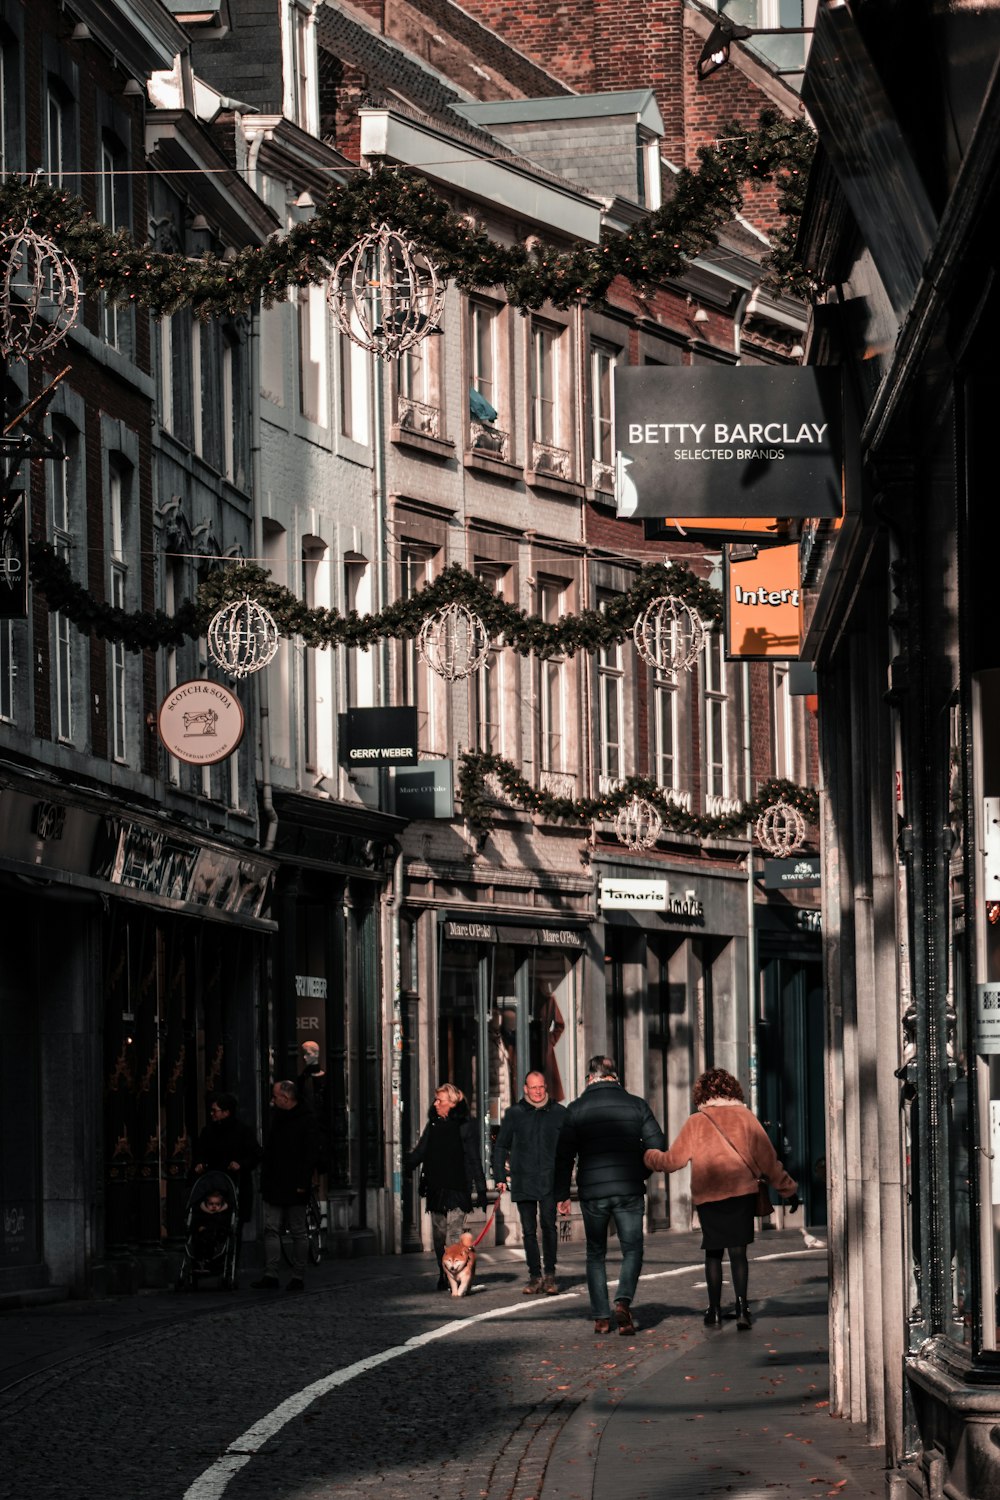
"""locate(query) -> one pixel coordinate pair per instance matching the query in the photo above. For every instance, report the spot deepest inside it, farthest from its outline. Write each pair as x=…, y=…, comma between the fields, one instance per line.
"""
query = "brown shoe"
x=549, y=1285
x=532, y=1286
x=602, y=1325
x=623, y=1316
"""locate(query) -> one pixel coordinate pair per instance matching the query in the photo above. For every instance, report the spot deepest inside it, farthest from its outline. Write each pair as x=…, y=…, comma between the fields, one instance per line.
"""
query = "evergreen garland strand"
x=660, y=247
x=480, y=811
x=505, y=623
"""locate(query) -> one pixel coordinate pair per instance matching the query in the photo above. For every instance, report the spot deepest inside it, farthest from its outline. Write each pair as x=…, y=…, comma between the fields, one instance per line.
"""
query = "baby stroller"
x=211, y=1242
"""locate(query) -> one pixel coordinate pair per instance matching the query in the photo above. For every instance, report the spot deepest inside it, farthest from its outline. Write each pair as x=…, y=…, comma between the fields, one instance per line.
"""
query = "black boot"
x=713, y=1318
x=442, y=1285
x=743, y=1318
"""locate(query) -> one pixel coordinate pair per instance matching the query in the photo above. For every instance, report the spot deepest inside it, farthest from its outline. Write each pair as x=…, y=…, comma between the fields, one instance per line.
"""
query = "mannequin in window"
x=548, y=1027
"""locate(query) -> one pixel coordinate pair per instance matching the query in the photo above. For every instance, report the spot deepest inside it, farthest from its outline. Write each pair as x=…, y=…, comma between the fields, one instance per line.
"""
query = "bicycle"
x=315, y=1229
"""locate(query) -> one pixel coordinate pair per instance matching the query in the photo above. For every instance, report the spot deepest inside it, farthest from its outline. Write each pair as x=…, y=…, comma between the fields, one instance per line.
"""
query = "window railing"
x=487, y=439
x=602, y=476
x=416, y=416
x=721, y=807
x=547, y=459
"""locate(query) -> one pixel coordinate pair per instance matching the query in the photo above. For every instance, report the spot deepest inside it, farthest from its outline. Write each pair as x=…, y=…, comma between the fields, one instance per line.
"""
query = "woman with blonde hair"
x=729, y=1152
x=451, y=1169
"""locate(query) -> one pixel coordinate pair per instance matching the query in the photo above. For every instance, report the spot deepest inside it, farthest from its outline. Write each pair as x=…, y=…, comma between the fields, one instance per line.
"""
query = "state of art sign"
x=728, y=441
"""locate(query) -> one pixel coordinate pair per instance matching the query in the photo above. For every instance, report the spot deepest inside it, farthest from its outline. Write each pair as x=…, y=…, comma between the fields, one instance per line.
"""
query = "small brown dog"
x=459, y=1265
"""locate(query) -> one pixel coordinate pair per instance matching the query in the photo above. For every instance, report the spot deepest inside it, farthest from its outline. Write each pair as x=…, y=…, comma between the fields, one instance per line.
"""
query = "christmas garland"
x=480, y=811
x=505, y=623
x=660, y=247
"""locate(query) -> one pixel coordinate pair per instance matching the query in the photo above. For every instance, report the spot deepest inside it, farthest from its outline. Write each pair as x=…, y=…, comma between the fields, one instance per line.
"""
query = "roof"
x=639, y=102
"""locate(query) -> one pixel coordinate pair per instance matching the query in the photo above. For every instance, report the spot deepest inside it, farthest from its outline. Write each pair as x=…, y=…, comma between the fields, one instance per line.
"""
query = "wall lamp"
x=715, y=53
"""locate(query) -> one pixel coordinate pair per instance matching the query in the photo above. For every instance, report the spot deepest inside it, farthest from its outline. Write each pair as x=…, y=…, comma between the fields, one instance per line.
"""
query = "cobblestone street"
x=372, y=1384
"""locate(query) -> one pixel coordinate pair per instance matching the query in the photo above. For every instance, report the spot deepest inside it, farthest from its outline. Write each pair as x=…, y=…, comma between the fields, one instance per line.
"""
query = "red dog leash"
x=489, y=1221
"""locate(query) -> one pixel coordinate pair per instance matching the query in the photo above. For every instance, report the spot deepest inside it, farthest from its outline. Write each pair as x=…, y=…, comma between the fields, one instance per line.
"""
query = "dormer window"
x=647, y=168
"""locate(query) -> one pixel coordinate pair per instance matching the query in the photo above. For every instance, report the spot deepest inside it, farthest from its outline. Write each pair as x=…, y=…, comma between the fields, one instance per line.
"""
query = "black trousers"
x=533, y=1210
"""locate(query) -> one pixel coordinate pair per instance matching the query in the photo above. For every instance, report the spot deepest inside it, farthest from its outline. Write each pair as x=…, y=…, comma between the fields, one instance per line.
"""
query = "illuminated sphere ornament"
x=385, y=295
x=638, y=824
x=39, y=295
x=454, y=642
x=780, y=829
x=669, y=634
x=242, y=637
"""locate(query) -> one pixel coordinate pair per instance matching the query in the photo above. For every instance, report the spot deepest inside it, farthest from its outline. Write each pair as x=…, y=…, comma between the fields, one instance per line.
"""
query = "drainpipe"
x=752, y=977
x=392, y=900
x=263, y=699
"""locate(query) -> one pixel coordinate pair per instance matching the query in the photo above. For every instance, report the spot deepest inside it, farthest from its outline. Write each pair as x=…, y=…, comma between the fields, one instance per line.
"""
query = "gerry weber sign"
x=649, y=895
x=201, y=722
x=731, y=440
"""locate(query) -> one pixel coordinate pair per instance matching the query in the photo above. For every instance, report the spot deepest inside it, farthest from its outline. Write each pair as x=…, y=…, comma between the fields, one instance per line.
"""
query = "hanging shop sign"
x=716, y=528
x=426, y=790
x=988, y=1018
x=781, y=873
x=763, y=605
x=13, y=547
x=379, y=737
x=728, y=440
x=201, y=722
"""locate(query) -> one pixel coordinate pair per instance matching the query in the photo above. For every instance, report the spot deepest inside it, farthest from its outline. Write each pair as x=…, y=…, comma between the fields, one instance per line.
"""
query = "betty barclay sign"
x=763, y=598
x=201, y=722
x=728, y=441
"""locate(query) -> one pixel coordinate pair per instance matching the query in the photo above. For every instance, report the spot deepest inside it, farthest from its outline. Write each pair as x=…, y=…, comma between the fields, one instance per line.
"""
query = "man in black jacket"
x=285, y=1180
x=528, y=1136
x=606, y=1132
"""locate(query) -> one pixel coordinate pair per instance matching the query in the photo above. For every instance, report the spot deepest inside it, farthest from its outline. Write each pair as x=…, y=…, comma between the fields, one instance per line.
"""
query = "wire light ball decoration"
x=638, y=824
x=242, y=637
x=780, y=829
x=669, y=634
x=385, y=295
x=453, y=642
x=39, y=294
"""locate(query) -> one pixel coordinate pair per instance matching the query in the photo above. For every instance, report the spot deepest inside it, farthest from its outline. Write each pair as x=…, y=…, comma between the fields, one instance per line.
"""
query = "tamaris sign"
x=728, y=440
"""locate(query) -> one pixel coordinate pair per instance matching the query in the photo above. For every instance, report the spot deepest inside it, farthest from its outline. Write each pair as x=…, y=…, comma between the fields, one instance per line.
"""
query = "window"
x=272, y=353
x=61, y=481
x=314, y=700
x=55, y=132
x=300, y=70
x=603, y=360
x=787, y=54
x=552, y=697
x=118, y=517
x=359, y=666
x=782, y=730
x=665, y=726
x=314, y=395
x=489, y=426
x=276, y=560
x=418, y=401
x=549, y=389
x=176, y=364
x=235, y=455
x=416, y=569
x=10, y=100
x=489, y=682
x=207, y=368
x=716, y=705
x=354, y=384
x=648, y=187
x=611, y=708
x=113, y=208
x=60, y=143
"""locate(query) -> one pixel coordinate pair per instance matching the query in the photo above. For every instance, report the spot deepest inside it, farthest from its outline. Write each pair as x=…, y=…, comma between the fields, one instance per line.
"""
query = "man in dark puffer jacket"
x=606, y=1132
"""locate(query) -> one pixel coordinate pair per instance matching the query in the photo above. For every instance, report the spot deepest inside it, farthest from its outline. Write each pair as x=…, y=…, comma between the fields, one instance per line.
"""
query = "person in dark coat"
x=285, y=1180
x=528, y=1136
x=451, y=1169
x=227, y=1144
x=605, y=1132
x=311, y=1085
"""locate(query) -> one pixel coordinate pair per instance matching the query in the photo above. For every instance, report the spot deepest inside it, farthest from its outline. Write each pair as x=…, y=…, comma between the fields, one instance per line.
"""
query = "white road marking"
x=213, y=1482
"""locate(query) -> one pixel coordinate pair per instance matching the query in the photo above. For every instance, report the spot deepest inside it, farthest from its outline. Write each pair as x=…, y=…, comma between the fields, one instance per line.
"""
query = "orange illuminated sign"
x=753, y=528
x=763, y=598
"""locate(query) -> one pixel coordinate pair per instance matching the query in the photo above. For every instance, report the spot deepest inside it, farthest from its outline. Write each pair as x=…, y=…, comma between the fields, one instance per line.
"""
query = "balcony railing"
x=721, y=807
x=557, y=783
x=547, y=459
x=415, y=416
x=490, y=440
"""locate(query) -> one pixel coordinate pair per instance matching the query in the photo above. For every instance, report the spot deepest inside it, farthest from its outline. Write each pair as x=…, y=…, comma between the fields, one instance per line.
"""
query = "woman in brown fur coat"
x=728, y=1151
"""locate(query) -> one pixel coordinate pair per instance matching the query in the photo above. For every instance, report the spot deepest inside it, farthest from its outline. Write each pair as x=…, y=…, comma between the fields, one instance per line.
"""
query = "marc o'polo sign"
x=379, y=737
x=201, y=722
x=728, y=441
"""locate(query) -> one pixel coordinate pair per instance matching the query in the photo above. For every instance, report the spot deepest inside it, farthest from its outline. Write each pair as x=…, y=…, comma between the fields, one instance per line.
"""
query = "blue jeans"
x=532, y=1210
x=628, y=1214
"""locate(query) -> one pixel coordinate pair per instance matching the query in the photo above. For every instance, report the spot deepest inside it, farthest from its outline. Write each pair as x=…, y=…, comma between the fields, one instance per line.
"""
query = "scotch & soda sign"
x=201, y=722
x=728, y=441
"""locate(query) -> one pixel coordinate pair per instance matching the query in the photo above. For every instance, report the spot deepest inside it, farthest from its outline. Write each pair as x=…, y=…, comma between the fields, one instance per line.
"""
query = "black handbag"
x=763, y=1208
